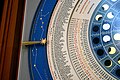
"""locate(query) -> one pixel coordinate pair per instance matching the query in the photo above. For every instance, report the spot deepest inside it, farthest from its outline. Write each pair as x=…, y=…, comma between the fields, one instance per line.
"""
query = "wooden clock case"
x=11, y=24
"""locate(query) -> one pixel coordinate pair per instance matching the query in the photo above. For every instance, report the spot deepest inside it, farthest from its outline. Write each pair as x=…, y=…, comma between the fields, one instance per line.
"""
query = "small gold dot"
x=42, y=22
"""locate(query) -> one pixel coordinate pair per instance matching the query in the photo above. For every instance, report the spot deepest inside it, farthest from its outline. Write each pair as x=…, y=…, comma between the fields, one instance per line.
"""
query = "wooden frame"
x=11, y=31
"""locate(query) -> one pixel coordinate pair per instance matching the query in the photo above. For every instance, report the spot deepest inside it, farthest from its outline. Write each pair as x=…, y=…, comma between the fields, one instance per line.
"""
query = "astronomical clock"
x=60, y=40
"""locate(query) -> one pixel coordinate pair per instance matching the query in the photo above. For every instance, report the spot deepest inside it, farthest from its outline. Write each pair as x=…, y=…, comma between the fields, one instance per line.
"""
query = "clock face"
x=79, y=40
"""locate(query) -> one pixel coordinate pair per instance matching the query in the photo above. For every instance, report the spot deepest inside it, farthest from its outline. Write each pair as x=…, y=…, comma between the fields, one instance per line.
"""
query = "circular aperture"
x=106, y=38
x=96, y=40
x=111, y=50
x=108, y=63
x=118, y=60
x=113, y=0
x=110, y=15
x=118, y=72
x=95, y=28
x=100, y=52
x=99, y=17
x=117, y=36
x=106, y=26
x=105, y=7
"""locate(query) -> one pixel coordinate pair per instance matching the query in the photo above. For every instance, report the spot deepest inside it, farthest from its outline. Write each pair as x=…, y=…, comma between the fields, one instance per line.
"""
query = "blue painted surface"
x=38, y=63
x=114, y=7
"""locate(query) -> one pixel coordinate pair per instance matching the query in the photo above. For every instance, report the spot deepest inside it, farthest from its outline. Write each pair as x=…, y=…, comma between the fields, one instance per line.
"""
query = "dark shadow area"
x=1, y=8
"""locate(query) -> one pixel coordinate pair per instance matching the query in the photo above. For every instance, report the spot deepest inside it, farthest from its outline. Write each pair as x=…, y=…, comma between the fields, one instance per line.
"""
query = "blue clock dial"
x=38, y=64
x=105, y=34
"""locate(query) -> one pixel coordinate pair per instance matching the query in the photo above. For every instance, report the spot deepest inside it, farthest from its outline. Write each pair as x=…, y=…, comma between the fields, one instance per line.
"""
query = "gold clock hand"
x=43, y=42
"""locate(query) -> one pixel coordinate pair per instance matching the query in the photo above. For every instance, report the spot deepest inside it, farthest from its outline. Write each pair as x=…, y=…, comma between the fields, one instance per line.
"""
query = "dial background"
x=23, y=70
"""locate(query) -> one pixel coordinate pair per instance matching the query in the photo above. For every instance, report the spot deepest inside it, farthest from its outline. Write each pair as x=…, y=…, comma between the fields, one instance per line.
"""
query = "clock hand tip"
x=43, y=41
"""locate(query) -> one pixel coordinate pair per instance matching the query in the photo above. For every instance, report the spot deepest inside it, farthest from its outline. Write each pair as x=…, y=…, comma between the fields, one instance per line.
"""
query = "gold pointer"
x=43, y=42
